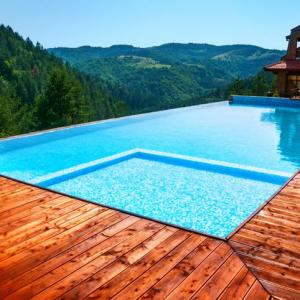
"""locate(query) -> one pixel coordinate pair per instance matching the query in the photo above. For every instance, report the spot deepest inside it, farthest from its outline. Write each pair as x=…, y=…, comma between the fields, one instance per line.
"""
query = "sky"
x=144, y=23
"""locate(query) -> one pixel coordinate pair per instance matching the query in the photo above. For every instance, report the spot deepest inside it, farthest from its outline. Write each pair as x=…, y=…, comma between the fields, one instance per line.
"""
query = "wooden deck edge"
x=268, y=242
x=117, y=209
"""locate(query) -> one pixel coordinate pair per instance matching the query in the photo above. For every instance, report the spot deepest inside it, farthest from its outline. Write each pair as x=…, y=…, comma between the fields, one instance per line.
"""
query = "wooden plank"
x=276, y=213
x=288, y=247
x=214, y=287
x=285, y=234
x=260, y=252
x=24, y=234
x=65, y=222
x=202, y=273
x=119, y=282
x=119, y=265
x=155, y=273
x=35, y=209
x=239, y=286
x=47, y=215
x=67, y=233
x=14, y=202
x=24, y=280
x=181, y=271
x=257, y=292
x=289, y=215
x=17, y=193
x=287, y=203
x=93, y=262
x=280, y=291
x=271, y=224
x=59, y=212
x=274, y=267
x=4, y=180
x=102, y=245
x=32, y=202
x=9, y=193
x=280, y=221
x=275, y=278
x=287, y=198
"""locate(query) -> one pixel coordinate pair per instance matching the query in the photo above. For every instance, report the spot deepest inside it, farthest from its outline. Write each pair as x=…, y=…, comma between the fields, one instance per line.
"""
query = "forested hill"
x=237, y=60
x=38, y=90
x=168, y=75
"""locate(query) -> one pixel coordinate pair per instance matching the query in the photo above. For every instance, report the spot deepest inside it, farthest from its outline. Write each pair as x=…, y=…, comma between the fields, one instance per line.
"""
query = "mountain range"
x=169, y=75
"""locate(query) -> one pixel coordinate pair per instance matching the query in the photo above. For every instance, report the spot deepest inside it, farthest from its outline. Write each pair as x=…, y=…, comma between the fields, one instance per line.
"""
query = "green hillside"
x=169, y=75
x=38, y=90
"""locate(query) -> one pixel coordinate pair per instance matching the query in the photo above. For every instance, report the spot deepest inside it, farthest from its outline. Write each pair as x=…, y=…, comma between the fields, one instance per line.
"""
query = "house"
x=288, y=69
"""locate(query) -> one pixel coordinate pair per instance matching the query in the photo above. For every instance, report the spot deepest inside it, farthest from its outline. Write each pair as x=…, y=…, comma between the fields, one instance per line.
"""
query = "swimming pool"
x=262, y=138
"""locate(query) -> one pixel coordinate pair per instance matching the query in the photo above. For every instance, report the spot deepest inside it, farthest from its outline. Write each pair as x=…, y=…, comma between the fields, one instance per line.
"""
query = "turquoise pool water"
x=258, y=137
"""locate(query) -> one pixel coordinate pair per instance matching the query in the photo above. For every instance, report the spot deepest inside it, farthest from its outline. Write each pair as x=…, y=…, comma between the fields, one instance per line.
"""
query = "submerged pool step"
x=215, y=166
x=82, y=169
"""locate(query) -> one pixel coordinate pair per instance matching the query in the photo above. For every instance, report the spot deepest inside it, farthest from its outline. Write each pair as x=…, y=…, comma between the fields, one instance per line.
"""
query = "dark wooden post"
x=293, y=39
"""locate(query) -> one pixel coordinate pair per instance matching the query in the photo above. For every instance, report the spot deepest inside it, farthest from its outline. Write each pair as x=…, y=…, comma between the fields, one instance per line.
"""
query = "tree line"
x=39, y=91
x=261, y=84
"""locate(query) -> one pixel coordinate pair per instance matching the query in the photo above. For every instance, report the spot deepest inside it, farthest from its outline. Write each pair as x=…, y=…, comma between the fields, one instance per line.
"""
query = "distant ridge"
x=180, y=52
x=169, y=75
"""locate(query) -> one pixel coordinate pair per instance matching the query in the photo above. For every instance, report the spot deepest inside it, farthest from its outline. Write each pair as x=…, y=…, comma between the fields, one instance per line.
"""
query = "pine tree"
x=62, y=102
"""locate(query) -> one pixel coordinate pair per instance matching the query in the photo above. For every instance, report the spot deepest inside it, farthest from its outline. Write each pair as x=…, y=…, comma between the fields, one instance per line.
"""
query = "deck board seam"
x=60, y=231
x=51, y=225
x=225, y=255
x=87, y=264
x=141, y=258
x=174, y=268
x=236, y=275
x=66, y=250
x=44, y=241
x=219, y=266
x=35, y=219
x=166, y=254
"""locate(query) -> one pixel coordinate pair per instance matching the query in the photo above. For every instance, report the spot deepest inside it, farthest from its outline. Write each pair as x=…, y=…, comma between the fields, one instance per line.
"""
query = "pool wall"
x=264, y=101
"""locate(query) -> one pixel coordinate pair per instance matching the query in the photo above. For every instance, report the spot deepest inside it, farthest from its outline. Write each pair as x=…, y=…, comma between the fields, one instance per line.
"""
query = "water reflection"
x=287, y=122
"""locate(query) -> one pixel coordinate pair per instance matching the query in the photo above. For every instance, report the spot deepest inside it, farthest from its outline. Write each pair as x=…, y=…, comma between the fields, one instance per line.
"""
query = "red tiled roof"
x=288, y=65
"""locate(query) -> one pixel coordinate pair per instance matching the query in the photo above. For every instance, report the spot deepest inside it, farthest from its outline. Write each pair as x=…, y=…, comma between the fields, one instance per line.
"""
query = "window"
x=294, y=82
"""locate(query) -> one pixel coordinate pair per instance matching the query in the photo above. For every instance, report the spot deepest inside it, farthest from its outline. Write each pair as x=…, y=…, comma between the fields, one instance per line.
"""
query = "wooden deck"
x=269, y=243
x=53, y=246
